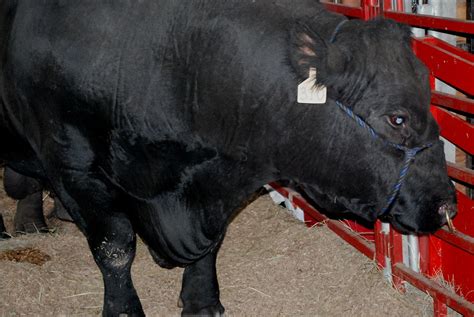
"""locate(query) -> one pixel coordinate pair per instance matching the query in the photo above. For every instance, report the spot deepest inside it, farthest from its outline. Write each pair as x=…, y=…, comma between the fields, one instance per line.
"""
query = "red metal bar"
x=387, y=6
x=454, y=50
x=464, y=221
x=447, y=62
x=456, y=103
x=400, y=5
x=439, y=307
x=396, y=256
x=431, y=22
x=367, y=248
x=455, y=129
x=457, y=239
x=374, y=7
x=424, y=246
x=356, y=240
x=435, y=290
x=436, y=254
x=353, y=238
x=381, y=244
x=346, y=10
x=461, y=173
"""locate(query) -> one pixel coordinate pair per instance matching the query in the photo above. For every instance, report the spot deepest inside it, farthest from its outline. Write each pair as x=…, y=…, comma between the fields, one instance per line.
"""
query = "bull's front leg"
x=200, y=289
x=112, y=241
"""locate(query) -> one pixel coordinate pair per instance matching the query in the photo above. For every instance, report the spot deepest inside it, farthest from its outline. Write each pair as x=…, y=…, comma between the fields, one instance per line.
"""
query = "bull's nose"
x=447, y=211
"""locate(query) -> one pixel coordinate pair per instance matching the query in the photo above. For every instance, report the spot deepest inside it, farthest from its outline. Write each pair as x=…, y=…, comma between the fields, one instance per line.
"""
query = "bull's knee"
x=114, y=256
x=113, y=243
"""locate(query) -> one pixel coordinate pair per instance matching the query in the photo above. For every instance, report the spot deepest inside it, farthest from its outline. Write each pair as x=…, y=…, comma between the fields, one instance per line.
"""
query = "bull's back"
x=124, y=64
x=88, y=57
x=157, y=69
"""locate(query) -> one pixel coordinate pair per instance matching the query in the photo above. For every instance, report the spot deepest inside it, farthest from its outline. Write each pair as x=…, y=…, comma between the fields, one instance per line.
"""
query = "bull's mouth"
x=404, y=228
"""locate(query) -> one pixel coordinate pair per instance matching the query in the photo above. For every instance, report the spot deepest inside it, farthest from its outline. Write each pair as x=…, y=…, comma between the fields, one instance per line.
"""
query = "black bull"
x=160, y=118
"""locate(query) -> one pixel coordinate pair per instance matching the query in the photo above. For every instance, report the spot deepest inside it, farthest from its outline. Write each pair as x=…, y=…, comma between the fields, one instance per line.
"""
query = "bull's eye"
x=397, y=120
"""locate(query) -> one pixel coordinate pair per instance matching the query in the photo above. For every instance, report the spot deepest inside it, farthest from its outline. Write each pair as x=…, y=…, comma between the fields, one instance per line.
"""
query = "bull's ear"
x=310, y=50
x=336, y=60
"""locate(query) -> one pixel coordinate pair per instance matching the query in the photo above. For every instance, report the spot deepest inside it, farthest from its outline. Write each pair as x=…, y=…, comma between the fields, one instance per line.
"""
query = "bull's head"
x=369, y=69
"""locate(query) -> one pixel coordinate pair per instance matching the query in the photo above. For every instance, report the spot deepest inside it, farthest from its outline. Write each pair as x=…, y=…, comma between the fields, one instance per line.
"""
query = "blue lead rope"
x=409, y=154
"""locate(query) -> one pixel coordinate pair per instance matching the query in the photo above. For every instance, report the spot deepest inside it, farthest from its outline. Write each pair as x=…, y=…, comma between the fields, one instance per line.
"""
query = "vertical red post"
x=387, y=5
x=381, y=245
x=400, y=6
x=435, y=260
x=396, y=256
x=424, y=245
x=440, y=308
x=366, y=6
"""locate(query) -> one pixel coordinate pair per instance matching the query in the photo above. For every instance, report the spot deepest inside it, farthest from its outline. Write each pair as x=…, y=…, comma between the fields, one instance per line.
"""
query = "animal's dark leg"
x=112, y=241
x=60, y=212
x=29, y=216
x=200, y=289
x=3, y=231
x=28, y=191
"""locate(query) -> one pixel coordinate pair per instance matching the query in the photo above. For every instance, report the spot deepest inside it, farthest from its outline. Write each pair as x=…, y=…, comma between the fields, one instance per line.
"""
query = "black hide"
x=160, y=118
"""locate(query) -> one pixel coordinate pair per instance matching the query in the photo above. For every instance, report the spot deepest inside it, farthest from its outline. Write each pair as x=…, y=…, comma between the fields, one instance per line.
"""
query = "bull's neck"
x=305, y=140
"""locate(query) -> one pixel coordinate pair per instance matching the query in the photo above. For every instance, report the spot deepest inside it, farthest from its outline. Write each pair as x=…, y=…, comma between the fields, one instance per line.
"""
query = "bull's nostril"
x=449, y=211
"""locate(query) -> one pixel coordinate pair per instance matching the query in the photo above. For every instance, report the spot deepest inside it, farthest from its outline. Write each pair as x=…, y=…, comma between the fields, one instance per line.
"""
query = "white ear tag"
x=308, y=92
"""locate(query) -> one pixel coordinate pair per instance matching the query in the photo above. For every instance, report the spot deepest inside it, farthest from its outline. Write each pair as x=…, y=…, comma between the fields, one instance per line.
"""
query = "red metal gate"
x=444, y=255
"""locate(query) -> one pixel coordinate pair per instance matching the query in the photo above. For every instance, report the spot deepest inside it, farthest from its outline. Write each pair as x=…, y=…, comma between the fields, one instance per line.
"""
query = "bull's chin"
x=405, y=228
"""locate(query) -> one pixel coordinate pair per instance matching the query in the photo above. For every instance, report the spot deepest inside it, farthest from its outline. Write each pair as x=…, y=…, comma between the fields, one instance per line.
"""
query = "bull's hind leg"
x=3, y=231
x=28, y=191
x=112, y=241
x=200, y=289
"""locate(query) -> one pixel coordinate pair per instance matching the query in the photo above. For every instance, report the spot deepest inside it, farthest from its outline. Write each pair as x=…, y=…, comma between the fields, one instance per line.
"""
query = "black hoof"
x=3, y=232
x=123, y=308
x=214, y=310
x=137, y=314
x=35, y=226
x=130, y=314
x=4, y=235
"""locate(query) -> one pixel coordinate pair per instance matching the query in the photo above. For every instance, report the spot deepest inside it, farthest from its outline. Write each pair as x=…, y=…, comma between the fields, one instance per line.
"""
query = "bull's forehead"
x=408, y=95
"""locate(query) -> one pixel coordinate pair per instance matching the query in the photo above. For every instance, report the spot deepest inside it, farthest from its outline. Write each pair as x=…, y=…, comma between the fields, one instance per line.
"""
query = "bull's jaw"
x=365, y=210
x=342, y=205
x=410, y=226
x=405, y=228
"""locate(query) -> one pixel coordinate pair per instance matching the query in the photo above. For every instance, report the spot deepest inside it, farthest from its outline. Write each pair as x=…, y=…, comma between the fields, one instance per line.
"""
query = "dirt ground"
x=270, y=265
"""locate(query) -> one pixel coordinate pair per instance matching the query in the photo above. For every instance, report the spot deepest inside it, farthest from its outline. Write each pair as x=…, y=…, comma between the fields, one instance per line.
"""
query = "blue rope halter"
x=336, y=30
x=409, y=154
